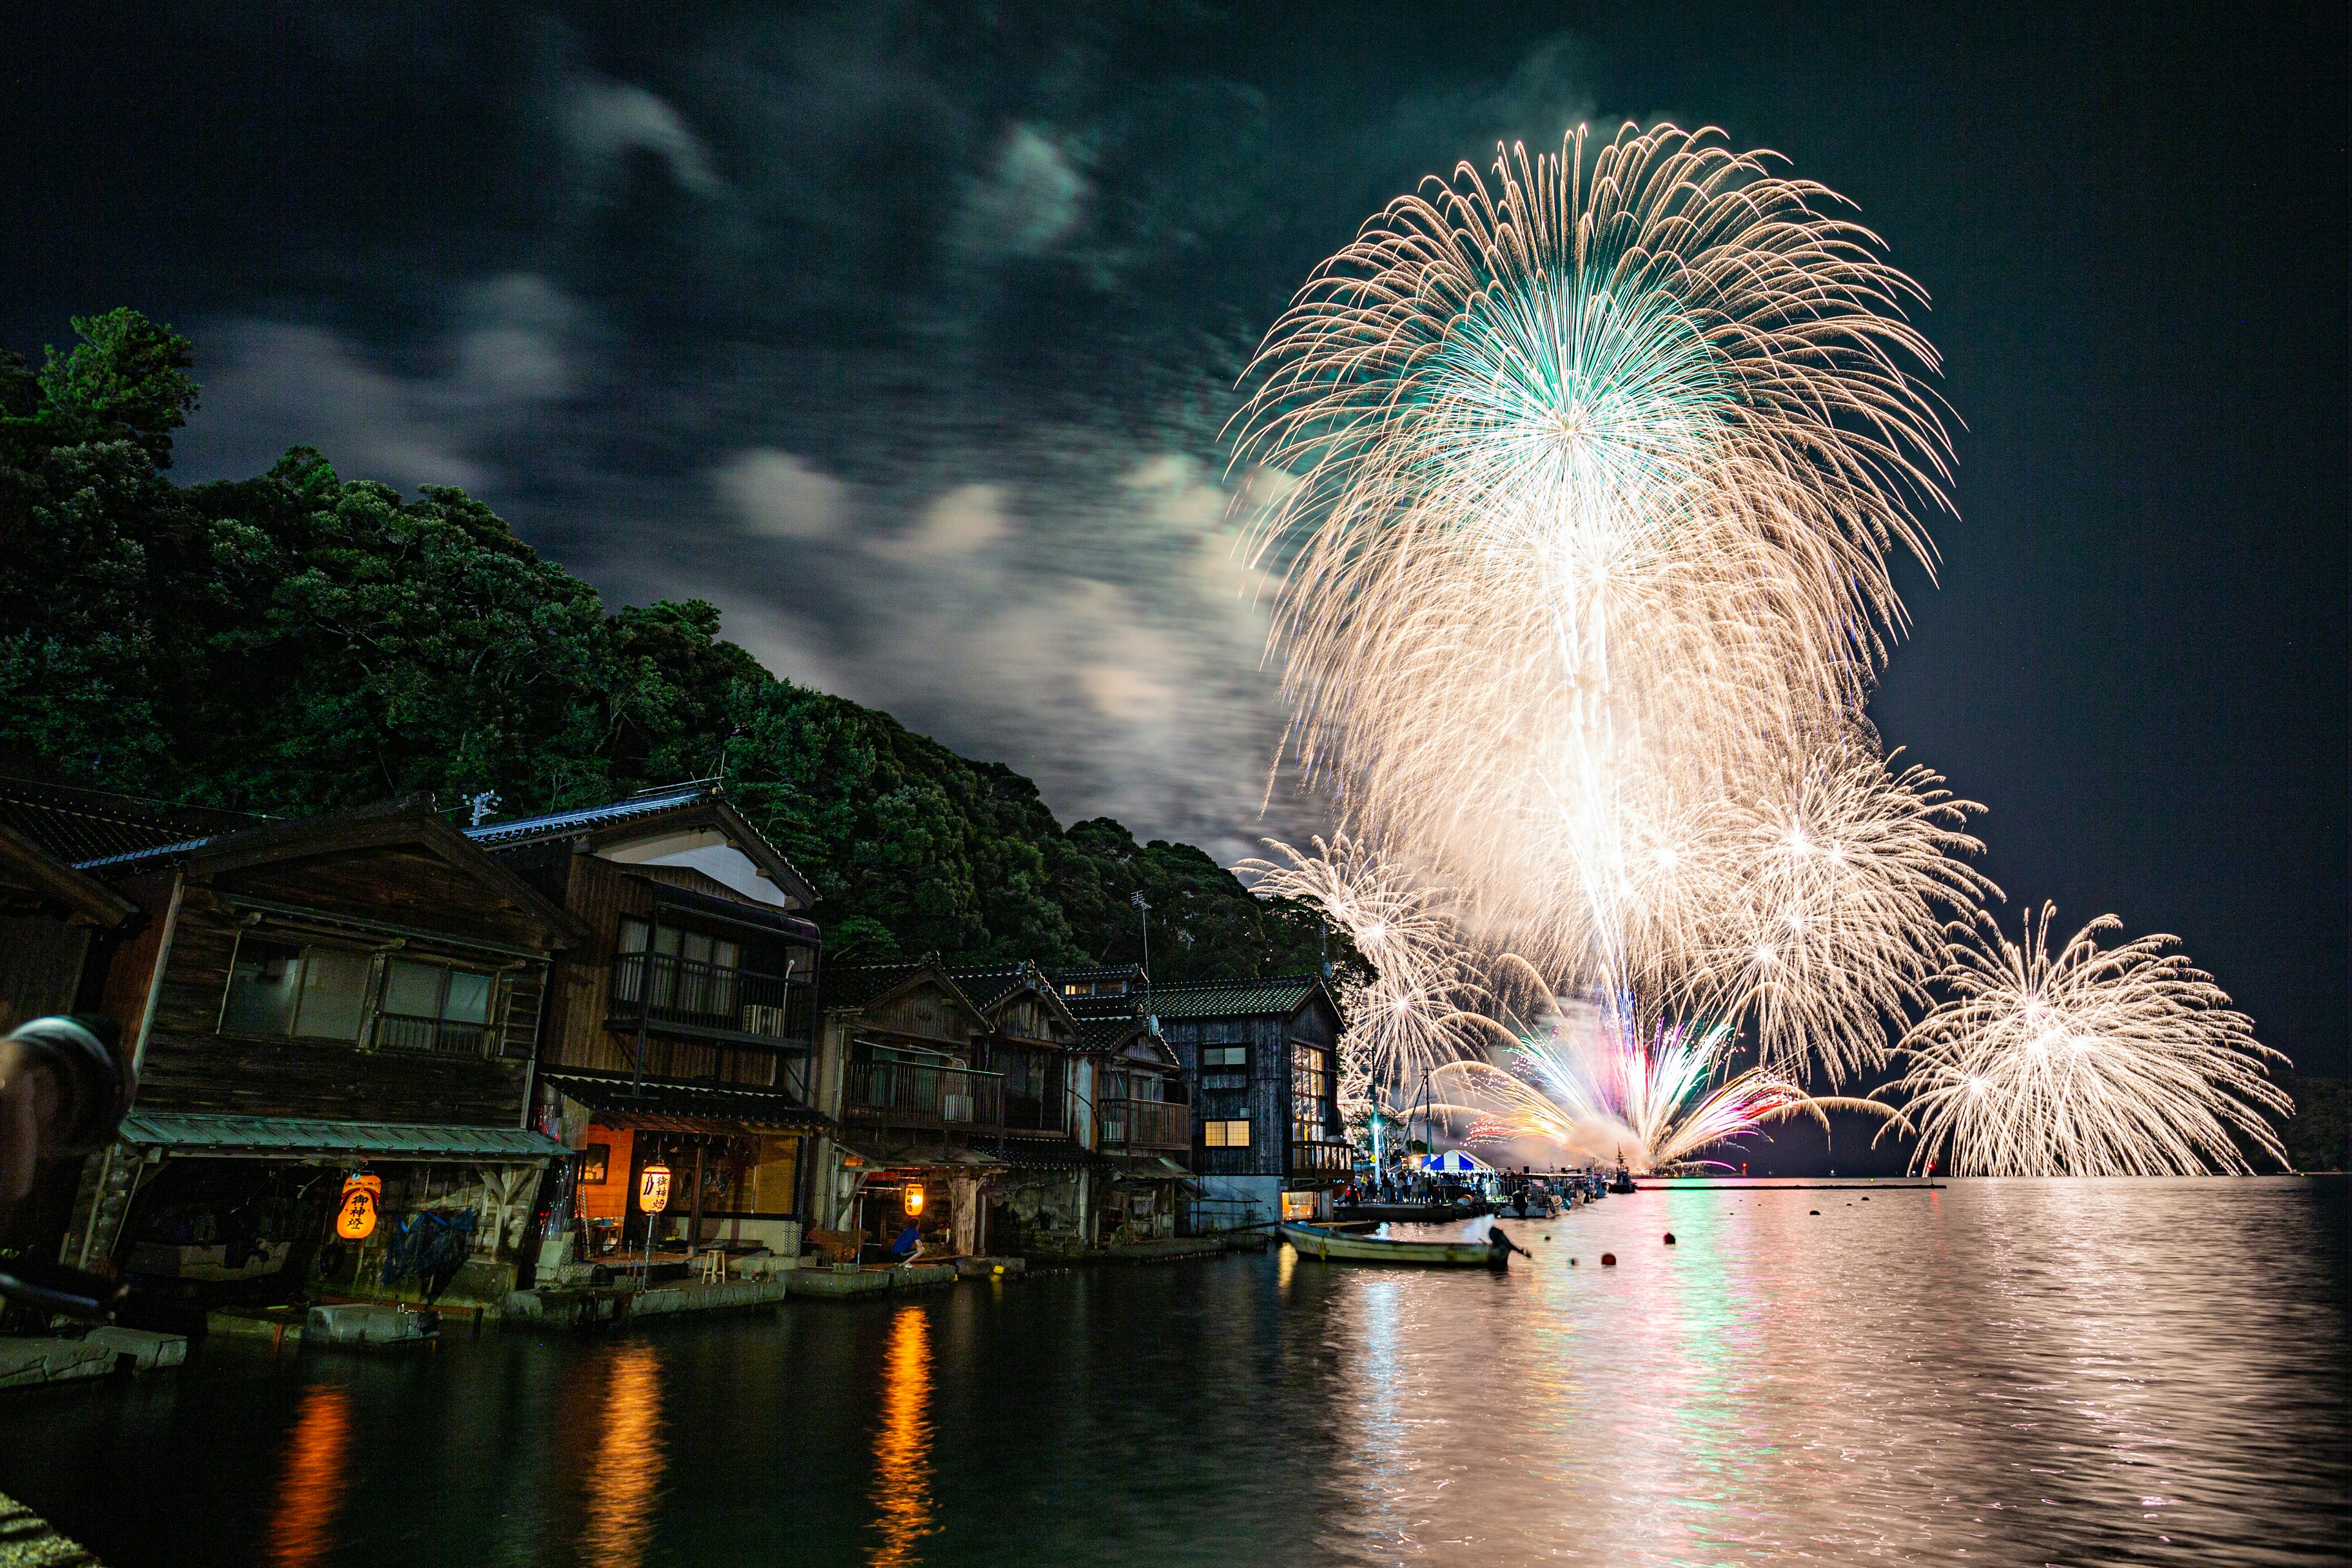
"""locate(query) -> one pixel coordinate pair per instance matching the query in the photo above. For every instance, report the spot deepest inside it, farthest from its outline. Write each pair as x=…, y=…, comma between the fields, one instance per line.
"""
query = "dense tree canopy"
x=298, y=642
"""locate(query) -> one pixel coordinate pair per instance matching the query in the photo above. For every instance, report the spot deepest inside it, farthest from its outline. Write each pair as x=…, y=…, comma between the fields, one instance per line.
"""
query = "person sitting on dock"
x=903, y=1249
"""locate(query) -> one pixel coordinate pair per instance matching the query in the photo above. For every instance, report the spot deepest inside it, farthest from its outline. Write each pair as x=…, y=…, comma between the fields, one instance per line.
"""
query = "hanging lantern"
x=653, y=1188
x=914, y=1197
x=362, y=1195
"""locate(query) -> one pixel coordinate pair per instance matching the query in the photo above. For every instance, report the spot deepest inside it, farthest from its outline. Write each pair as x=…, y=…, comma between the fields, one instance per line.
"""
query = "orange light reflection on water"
x=316, y=1457
x=624, y=1481
x=902, y=1447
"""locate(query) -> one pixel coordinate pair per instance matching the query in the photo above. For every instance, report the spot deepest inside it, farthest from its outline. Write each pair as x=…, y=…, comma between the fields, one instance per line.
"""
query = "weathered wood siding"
x=1263, y=1101
x=926, y=1013
x=191, y=1066
x=600, y=894
x=399, y=885
x=1266, y=1099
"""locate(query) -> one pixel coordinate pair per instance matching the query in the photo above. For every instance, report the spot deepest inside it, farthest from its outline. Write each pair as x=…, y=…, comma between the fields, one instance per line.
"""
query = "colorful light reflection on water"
x=2064, y=1371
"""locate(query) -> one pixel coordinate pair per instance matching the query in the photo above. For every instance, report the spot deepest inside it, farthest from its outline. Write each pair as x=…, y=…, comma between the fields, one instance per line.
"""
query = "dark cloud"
x=904, y=333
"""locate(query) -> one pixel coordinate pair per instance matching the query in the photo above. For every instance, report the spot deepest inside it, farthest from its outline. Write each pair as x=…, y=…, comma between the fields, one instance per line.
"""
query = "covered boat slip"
x=224, y=1206
x=736, y=1153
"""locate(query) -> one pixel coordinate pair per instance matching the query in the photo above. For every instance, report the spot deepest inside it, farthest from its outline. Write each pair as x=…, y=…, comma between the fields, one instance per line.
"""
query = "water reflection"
x=624, y=1481
x=317, y=1451
x=2019, y=1371
x=902, y=1447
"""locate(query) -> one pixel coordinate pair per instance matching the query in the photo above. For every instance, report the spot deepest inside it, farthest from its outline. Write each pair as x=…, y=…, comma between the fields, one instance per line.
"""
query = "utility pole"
x=1143, y=918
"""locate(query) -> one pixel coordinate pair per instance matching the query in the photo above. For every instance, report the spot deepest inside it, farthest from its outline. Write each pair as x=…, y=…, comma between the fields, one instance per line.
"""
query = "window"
x=1227, y=1134
x=435, y=1007
x=1308, y=1083
x=1224, y=1056
x=313, y=993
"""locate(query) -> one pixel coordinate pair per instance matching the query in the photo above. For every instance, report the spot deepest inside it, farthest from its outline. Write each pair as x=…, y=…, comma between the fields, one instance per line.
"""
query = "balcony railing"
x=910, y=1094
x=687, y=993
x=1320, y=1158
x=433, y=1037
x=1147, y=1124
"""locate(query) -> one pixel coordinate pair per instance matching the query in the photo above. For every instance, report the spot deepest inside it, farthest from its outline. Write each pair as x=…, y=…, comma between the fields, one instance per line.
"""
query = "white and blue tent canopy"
x=1457, y=1162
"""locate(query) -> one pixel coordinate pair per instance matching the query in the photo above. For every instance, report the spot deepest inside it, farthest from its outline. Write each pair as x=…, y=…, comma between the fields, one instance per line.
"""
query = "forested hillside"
x=299, y=641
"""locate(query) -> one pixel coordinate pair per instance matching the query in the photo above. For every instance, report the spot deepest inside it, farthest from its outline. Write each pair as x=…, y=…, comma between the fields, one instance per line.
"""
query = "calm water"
x=2015, y=1372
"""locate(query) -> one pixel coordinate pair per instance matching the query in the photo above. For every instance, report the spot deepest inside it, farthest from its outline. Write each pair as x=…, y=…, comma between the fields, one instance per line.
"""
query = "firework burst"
x=1405, y=1018
x=1584, y=1082
x=2091, y=1062
x=1602, y=465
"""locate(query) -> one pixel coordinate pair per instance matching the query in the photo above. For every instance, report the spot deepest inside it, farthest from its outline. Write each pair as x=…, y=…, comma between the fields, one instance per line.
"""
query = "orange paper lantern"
x=653, y=1188
x=362, y=1195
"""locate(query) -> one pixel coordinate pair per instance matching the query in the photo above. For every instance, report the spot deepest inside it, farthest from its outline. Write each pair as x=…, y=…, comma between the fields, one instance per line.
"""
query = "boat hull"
x=1339, y=1247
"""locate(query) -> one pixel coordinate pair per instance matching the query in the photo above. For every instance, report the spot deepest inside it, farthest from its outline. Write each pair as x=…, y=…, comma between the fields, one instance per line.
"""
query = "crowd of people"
x=1521, y=1192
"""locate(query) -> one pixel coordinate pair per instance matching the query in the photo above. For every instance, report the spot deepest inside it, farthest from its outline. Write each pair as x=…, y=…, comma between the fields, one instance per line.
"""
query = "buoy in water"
x=1609, y=1261
x=1670, y=1238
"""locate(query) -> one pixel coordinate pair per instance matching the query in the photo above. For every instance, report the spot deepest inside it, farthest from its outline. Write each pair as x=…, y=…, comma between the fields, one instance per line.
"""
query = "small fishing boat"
x=1319, y=1241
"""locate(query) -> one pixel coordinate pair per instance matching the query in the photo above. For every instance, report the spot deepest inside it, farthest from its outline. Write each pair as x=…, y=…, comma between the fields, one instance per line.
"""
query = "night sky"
x=905, y=334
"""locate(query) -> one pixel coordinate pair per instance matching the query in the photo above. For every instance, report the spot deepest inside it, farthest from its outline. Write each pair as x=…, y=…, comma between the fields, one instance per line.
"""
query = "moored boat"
x=1317, y=1241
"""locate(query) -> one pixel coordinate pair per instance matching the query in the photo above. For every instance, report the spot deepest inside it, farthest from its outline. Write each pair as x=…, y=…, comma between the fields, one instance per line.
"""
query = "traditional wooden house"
x=303, y=998
x=901, y=1070
x=967, y=1103
x=681, y=1031
x=1145, y=1123
x=1260, y=1056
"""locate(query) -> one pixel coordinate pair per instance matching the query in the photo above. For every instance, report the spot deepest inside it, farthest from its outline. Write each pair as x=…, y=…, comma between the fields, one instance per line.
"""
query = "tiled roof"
x=855, y=984
x=991, y=984
x=583, y=819
x=1112, y=973
x=1105, y=1021
x=1284, y=993
x=91, y=827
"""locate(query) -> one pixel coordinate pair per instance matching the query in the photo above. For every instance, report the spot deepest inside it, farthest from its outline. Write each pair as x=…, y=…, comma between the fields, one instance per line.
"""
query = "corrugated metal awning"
x=669, y=1105
x=303, y=1137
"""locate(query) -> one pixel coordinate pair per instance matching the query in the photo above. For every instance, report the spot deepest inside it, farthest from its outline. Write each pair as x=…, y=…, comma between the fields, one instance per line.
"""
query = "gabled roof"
x=992, y=986
x=650, y=809
x=87, y=828
x=1109, y=1023
x=1281, y=995
x=861, y=985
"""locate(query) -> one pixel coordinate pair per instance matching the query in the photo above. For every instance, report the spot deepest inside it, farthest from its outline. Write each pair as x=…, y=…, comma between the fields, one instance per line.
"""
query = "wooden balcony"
x=711, y=1001
x=907, y=1094
x=1146, y=1124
